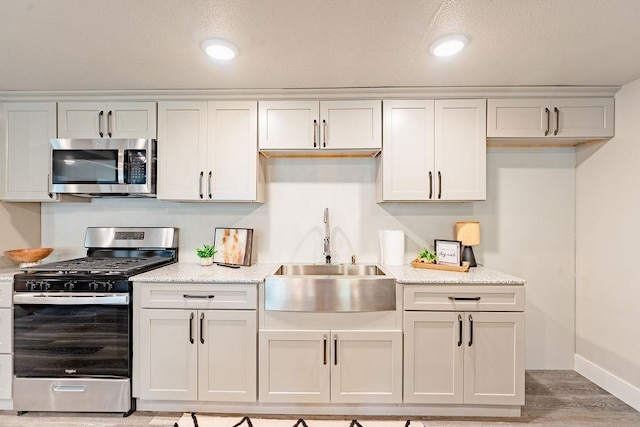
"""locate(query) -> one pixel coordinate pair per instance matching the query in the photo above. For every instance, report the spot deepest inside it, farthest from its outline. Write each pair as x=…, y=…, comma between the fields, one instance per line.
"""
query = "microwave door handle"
x=122, y=164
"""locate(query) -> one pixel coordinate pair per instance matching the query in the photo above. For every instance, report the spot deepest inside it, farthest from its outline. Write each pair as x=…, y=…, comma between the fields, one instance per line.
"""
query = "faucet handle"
x=353, y=260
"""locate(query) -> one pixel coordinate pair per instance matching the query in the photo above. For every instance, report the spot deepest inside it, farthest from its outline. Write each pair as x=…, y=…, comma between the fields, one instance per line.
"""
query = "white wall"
x=19, y=228
x=607, y=284
x=527, y=227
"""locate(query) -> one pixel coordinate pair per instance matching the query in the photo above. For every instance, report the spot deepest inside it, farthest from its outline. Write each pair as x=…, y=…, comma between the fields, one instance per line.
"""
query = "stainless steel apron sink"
x=329, y=288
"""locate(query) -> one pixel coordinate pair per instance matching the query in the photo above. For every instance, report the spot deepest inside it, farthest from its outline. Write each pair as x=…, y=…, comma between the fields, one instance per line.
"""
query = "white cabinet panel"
x=207, y=151
x=548, y=118
x=182, y=144
x=96, y=119
x=320, y=125
x=227, y=356
x=29, y=128
x=433, y=150
x=6, y=375
x=169, y=368
x=330, y=366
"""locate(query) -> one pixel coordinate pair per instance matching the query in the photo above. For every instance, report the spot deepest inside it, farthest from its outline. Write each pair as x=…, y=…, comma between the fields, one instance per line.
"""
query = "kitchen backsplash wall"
x=527, y=227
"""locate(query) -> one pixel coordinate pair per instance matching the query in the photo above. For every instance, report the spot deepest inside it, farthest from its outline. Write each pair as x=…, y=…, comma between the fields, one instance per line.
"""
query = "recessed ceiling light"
x=220, y=49
x=448, y=45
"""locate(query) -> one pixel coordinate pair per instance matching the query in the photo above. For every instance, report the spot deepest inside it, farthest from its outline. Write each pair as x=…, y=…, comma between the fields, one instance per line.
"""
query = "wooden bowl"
x=32, y=255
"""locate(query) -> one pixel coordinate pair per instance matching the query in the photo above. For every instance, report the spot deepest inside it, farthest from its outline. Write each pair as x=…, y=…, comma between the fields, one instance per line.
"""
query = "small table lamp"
x=469, y=234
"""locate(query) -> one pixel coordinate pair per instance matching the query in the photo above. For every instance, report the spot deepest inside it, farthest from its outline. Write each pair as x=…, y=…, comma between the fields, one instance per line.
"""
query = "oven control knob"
x=34, y=285
x=68, y=286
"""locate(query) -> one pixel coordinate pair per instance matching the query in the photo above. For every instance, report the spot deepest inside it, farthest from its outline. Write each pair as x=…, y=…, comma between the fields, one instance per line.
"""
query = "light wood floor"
x=553, y=398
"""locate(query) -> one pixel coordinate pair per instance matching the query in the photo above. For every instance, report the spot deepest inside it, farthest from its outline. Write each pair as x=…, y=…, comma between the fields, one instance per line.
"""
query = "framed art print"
x=233, y=246
x=448, y=251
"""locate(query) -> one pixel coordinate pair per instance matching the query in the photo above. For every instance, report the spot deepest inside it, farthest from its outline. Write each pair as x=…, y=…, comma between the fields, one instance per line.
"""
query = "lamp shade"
x=468, y=233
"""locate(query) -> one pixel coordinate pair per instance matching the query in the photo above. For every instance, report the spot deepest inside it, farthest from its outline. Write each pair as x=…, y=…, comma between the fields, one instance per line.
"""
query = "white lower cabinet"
x=197, y=354
x=6, y=346
x=464, y=357
x=337, y=366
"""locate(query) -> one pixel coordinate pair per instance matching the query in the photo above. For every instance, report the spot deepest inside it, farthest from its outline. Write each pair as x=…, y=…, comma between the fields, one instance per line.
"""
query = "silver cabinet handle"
x=70, y=388
x=191, y=328
x=470, y=330
x=202, y=328
x=459, y=330
x=430, y=185
x=324, y=133
x=100, y=115
x=109, y=115
x=335, y=350
x=200, y=184
x=546, y=132
x=439, y=185
x=555, y=109
x=315, y=133
x=209, y=184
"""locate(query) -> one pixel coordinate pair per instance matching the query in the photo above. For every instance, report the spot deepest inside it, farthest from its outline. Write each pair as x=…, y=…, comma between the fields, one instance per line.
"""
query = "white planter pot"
x=206, y=261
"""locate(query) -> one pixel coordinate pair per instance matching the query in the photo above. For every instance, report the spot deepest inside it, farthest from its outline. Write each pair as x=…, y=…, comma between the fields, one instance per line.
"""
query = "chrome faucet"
x=327, y=239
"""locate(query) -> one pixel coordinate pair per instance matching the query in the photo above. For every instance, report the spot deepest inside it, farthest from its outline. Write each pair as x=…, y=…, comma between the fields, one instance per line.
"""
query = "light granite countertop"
x=6, y=274
x=191, y=272
x=480, y=275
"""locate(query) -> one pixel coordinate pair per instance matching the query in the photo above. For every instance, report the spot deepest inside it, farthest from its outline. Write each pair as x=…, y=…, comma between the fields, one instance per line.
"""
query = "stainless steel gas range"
x=73, y=322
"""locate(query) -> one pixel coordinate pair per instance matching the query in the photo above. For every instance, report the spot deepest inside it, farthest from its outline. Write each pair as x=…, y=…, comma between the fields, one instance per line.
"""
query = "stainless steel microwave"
x=103, y=167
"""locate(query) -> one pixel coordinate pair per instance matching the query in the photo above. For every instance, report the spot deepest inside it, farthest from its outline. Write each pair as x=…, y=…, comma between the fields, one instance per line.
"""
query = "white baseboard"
x=621, y=389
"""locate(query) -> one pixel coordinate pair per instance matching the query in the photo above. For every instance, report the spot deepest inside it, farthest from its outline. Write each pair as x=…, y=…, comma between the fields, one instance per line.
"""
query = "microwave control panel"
x=136, y=169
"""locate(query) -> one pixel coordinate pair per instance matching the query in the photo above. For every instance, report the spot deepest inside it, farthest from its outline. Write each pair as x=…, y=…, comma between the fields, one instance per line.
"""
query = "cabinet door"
x=494, y=358
x=366, y=366
x=29, y=126
x=182, y=150
x=407, y=158
x=582, y=117
x=82, y=119
x=288, y=125
x=168, y=355
x=460, y=149
x=6, y=330
x=227, y=356
x=131, y=120
x=518, y=118
x=433, y=357
x=350, y=125
x=294, y=366
x=6, y=375
x=232, y=151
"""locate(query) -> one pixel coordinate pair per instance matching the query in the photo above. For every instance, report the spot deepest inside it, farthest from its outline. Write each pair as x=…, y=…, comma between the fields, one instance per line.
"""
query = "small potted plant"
x=427, y=257
x=206, y=253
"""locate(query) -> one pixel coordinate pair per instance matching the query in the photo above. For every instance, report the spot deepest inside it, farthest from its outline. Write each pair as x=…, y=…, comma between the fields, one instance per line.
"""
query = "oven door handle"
x=69, y=298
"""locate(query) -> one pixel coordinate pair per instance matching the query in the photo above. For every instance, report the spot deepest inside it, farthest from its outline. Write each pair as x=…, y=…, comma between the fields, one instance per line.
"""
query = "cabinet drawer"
x=6, y=294
x=466, y=298
x=198, y=296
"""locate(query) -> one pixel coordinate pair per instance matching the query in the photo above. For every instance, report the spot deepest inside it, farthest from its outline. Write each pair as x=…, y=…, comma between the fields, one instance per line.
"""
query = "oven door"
x=72, y=335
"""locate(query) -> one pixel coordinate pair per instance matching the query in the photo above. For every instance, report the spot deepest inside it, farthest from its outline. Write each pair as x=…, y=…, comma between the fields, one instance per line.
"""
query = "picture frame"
x=234, y=246
x=449, y=252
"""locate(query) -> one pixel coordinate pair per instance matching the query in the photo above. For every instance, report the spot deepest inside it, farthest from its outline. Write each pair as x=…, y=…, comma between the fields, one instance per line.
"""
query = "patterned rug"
x=196, y=420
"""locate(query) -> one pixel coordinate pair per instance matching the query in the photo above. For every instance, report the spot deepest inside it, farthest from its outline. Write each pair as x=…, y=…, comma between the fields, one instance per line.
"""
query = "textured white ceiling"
x=155, y=44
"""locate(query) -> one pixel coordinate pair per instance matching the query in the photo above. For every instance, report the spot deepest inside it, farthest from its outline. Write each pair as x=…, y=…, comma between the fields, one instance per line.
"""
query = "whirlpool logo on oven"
x=70, y=371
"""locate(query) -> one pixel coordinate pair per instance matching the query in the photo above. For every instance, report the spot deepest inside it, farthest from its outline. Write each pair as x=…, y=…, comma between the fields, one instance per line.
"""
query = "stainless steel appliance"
x=103, y=167
x=73, y=322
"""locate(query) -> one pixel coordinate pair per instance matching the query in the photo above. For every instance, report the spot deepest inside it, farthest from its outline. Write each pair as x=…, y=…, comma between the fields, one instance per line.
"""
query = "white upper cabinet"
x=433, y=150
x=580, y=118
x=26, y=150
x=89, y=119
x=207, y=151
x=320, y=125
